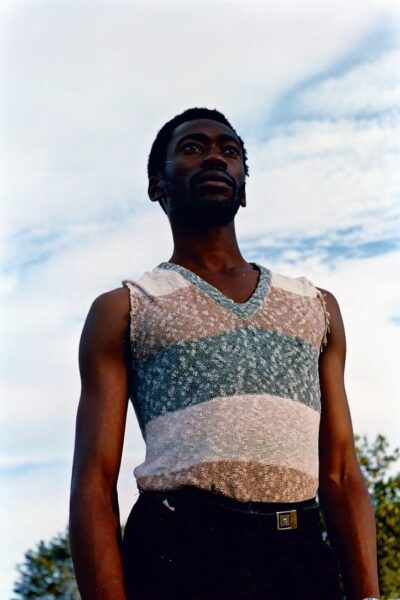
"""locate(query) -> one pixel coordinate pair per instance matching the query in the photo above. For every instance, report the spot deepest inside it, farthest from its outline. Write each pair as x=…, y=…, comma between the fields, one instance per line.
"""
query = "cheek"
x=180, y=174
x=177, y=168
x=177, y=181
x=241, y=175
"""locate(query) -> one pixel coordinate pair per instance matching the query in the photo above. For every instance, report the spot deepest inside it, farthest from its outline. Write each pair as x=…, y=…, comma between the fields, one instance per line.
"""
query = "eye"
x=232, y=151
x=191, y=148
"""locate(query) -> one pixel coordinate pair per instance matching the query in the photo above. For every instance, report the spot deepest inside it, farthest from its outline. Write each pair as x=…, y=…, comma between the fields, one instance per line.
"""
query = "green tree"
x=47, y=572
x=378, y=465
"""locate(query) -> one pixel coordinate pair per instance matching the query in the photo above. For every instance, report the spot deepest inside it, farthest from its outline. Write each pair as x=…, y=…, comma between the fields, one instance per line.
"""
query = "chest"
x=239, y=286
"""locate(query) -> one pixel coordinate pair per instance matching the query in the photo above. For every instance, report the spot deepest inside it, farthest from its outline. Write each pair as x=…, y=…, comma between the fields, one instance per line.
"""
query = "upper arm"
x=103, y=403
x=336, y=441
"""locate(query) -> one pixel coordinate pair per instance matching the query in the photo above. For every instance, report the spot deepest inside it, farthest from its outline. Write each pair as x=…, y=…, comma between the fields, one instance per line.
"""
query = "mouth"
x=214, y=178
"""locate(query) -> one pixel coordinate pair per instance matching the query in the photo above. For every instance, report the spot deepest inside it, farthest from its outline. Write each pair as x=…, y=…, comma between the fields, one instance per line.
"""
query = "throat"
x=238, y=285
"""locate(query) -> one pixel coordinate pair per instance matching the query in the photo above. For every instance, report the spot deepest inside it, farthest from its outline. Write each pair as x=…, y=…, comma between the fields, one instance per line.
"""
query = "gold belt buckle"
x=286, y=519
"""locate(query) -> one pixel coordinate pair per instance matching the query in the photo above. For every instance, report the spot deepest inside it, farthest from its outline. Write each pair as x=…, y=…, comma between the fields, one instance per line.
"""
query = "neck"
x=214, y=249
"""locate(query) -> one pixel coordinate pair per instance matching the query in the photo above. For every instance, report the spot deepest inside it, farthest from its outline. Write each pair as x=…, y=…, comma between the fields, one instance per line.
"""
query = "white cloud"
x=311, y=176
x=86, y=87
x=89, y=84
x=371, y=87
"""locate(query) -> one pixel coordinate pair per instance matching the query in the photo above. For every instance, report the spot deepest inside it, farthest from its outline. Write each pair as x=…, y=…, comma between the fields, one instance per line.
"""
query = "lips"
x=214, y=177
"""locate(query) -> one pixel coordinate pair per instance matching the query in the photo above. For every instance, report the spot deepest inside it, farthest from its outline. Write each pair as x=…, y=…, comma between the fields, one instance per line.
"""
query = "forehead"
x=204, y=126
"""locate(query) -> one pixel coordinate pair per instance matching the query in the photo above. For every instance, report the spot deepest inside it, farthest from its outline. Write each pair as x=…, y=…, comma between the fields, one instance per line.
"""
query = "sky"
x=314, y=90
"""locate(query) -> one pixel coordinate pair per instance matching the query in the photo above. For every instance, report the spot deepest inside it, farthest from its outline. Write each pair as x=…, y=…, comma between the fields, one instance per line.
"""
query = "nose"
x=214, y=158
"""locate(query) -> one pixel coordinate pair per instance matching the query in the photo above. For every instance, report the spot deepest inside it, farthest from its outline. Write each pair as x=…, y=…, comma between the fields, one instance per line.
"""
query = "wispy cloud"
x=20, y=468
x=329, y=246
x=361, y=83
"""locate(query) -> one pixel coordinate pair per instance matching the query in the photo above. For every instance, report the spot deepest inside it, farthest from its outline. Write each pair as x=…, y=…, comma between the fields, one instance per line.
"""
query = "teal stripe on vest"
x=244, y=361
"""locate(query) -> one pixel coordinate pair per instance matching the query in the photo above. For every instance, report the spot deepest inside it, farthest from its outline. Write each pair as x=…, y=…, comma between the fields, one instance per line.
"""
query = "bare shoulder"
x=332, y=306
x=336, y=335
x=330, y=300
x=112, y=305
x=108, y=319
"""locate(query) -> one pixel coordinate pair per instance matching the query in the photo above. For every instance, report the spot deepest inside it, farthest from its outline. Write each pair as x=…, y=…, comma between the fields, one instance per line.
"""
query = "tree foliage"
x=378, y=465
x=47, y=570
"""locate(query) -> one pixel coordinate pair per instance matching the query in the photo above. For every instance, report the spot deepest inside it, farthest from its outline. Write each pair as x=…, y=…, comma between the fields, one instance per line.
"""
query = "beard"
x=198, y=209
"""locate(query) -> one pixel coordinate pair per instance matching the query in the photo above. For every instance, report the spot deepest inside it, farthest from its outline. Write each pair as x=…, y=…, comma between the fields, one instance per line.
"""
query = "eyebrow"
x=202, y=137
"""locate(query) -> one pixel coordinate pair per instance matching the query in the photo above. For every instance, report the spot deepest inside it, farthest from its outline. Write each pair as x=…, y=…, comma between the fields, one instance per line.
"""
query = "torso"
x=225, y=381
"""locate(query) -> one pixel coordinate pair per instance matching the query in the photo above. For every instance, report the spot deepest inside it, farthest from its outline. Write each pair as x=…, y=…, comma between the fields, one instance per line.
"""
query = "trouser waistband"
x=274, y=516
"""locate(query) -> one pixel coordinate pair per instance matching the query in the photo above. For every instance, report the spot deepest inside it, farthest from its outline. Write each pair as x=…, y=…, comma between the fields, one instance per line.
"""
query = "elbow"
x=90, y=505
x=91, y=492
x=347, y=480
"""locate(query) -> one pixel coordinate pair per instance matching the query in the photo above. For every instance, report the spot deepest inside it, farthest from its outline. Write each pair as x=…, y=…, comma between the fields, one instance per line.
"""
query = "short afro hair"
x=157, y=156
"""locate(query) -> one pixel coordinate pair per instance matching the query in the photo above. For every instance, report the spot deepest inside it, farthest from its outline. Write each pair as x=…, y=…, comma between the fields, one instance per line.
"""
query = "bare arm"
x=94, y=515
x=343, y=492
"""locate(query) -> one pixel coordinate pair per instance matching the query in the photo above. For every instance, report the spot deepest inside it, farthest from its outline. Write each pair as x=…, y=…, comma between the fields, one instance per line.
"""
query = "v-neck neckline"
x=241, y=309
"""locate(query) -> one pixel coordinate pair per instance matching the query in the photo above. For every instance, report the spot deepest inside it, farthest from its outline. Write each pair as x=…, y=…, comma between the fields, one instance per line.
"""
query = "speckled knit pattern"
x=226, y=394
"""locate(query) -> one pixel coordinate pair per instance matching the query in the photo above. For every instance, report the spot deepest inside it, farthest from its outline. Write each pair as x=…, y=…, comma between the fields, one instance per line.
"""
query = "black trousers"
x=203, y=552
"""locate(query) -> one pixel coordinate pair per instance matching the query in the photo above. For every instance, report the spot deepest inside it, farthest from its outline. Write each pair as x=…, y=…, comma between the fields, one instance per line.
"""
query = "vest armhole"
x=327, y=317
x=134, y=309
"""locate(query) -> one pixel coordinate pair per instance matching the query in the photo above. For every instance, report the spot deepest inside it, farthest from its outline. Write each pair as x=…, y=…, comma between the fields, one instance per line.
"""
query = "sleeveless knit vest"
x=227, y=395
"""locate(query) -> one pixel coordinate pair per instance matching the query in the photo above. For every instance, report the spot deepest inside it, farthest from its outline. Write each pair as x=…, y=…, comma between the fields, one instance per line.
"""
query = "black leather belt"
x=302, y=516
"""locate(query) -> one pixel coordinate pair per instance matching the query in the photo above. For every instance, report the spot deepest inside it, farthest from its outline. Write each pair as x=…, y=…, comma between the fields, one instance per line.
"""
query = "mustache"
x=216, y=174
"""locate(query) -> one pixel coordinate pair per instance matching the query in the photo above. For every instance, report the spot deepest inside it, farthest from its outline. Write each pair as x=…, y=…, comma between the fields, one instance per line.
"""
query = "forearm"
x=95, y=539
x=351, y=527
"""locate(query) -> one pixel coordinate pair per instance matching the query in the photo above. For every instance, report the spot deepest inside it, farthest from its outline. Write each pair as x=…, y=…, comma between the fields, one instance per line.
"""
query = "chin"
x=217, y=201
x=205, y=216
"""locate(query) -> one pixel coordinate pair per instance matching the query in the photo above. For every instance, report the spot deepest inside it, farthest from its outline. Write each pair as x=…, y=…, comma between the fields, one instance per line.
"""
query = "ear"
x=156, y=189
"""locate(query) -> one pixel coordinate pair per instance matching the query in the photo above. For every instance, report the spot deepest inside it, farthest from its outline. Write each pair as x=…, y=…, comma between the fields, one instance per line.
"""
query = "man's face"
x=204, y=174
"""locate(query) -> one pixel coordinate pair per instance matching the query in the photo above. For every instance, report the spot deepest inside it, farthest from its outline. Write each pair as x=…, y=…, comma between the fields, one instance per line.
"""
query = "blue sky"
x=314, y=92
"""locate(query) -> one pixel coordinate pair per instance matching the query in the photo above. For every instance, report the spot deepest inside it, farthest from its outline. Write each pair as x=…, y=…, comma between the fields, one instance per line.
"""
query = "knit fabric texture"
x=227, y=394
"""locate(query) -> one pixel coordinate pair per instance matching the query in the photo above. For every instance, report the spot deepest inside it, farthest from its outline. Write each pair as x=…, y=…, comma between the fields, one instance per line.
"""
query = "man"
x=221, y=360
